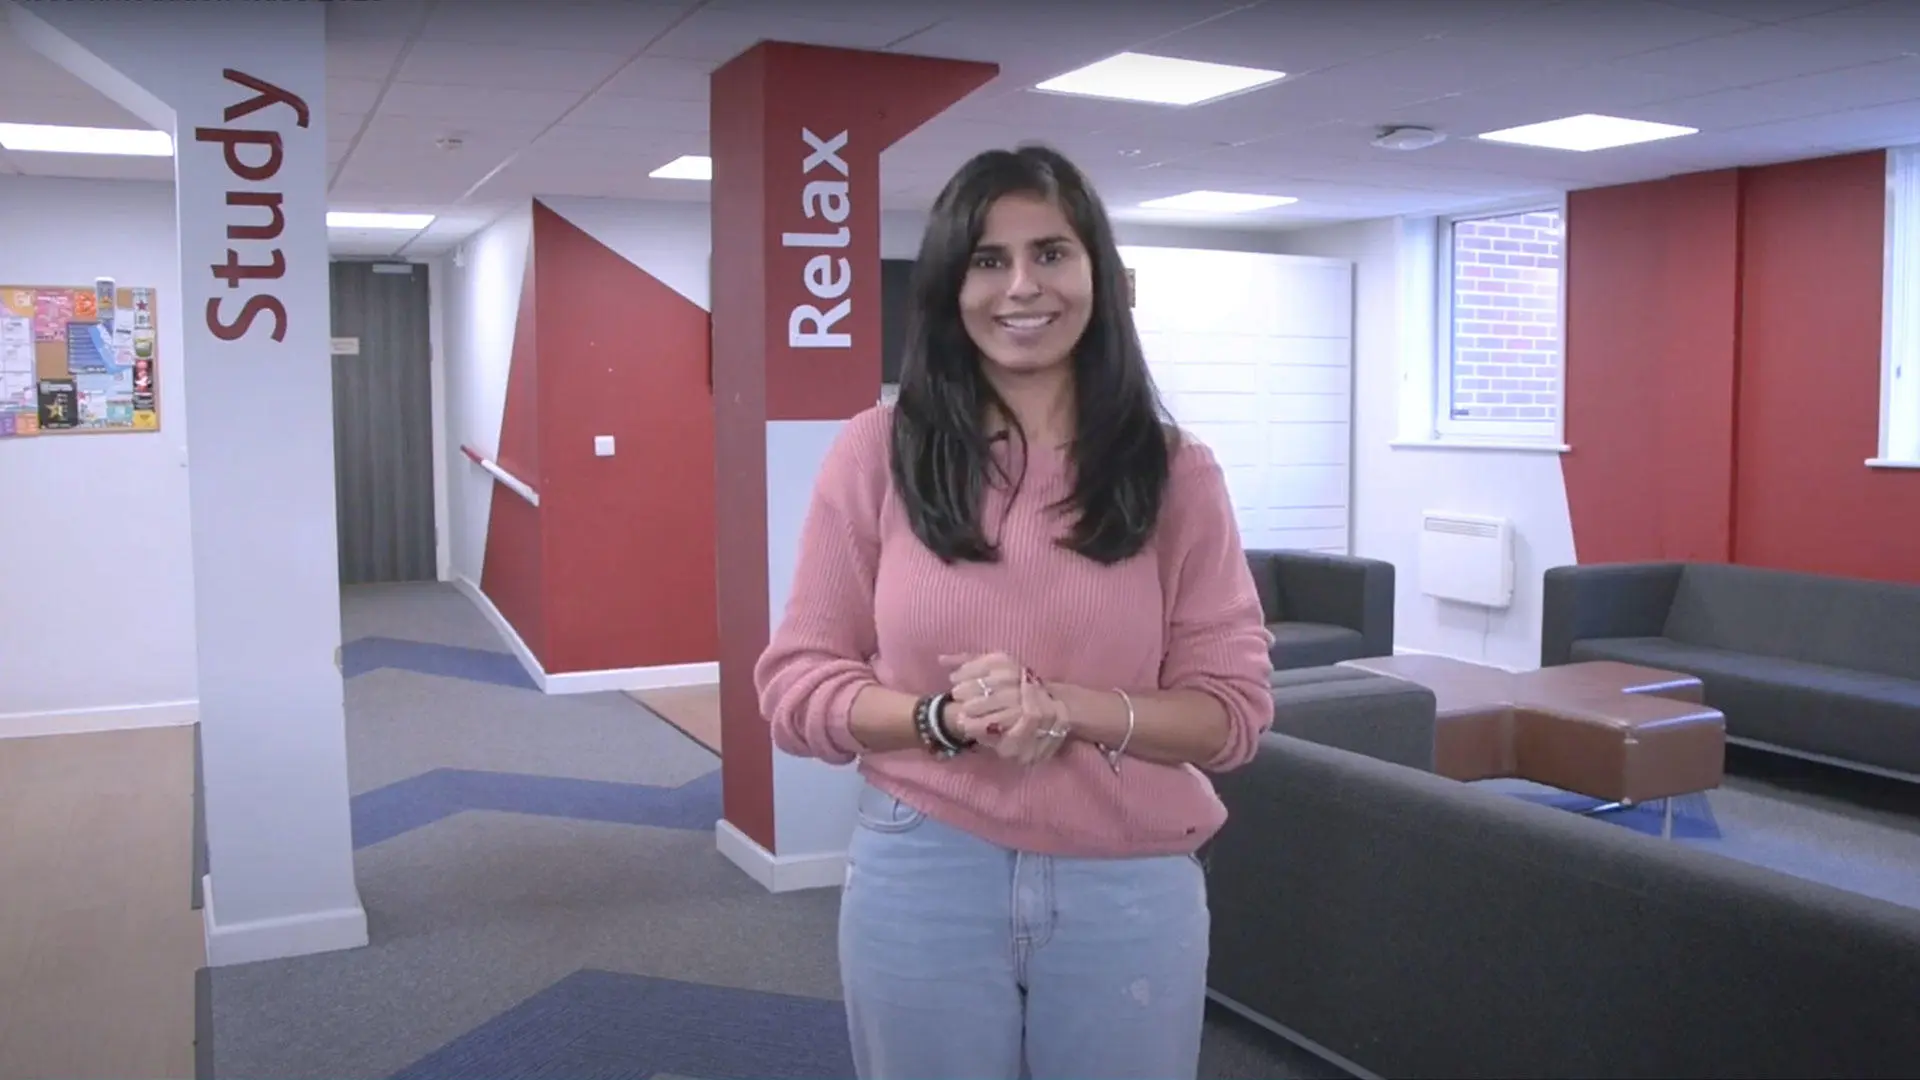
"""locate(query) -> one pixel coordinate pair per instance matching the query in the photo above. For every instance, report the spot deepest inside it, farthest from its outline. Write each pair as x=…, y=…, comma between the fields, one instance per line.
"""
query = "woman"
x=1022, y=606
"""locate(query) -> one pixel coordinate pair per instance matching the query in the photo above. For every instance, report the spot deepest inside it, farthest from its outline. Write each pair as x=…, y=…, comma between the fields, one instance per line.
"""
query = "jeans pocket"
x=880, y=812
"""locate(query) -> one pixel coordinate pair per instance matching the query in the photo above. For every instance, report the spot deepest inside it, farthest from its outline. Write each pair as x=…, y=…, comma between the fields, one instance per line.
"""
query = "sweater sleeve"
x=1217, y=639
x=819, y=658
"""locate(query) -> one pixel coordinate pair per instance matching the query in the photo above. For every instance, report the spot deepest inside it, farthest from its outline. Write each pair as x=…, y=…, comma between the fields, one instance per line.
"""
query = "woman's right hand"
x=1001, y=707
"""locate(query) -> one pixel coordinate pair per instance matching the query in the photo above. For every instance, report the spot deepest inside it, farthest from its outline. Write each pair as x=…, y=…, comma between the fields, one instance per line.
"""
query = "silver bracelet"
x=1113, y=754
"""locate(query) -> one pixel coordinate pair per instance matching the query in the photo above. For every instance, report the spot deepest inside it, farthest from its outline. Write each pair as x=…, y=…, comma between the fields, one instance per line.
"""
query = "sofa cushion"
x=1870, y=626
x=1855, y=716
x=1377, y=715
x=1305, y=644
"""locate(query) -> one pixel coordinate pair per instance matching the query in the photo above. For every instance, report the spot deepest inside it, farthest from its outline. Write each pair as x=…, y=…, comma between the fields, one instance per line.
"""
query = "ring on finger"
x=1054, y=733
x=986, y=688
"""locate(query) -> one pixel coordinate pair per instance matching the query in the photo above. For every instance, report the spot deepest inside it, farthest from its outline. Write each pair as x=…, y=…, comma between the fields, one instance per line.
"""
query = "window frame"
x=1448, y=428
x=1899, y=443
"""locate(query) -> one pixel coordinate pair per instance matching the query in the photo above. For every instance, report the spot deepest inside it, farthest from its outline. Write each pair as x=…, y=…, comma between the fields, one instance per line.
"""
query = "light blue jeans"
x=963, y=960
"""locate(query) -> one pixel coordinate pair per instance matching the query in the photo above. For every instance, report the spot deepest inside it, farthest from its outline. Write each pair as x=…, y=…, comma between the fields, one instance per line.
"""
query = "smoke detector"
x=1407, y=138
x=450, y=142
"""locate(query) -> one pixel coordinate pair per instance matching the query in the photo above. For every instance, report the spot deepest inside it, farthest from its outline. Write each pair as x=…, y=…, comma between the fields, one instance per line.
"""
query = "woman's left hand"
x=1000, y=705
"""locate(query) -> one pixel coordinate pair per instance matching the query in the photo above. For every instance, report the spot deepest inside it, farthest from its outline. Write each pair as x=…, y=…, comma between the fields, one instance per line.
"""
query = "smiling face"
x=1028, y=293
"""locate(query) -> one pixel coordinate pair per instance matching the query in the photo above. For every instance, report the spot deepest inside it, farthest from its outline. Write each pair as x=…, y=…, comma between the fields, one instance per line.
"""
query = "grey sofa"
x=1819, y=666
x=1406, y=925
x=1323, y=609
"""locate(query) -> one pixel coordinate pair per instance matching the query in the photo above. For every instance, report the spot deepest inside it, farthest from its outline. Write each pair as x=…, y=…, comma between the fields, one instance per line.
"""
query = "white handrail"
x=513, y=483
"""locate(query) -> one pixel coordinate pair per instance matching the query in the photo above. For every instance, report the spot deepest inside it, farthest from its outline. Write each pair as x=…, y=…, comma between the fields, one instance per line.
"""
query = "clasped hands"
x=999, y=704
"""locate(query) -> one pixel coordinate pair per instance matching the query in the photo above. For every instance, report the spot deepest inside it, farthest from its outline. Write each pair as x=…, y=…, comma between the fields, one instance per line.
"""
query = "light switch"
x=603, y=446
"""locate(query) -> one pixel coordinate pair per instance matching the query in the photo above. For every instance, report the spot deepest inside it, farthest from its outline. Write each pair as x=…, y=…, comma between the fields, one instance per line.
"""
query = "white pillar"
x=242, y=88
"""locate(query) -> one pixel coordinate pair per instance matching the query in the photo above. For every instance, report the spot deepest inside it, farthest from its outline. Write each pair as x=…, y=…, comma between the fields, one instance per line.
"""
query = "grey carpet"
x=482, y=918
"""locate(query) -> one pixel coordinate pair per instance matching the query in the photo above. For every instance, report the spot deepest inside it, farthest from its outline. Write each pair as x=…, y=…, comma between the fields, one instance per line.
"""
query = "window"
x=1499, y=318
x=1900, y=322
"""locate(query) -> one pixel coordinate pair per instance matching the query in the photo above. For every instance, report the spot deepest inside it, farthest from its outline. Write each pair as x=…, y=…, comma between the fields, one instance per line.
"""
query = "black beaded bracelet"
x=933, y=733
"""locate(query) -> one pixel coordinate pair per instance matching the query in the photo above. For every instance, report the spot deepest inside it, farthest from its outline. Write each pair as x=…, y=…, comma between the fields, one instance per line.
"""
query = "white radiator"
x=1466, y=557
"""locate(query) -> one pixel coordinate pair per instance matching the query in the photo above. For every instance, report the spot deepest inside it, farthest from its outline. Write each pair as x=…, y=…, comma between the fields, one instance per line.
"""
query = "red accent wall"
x=513, y=571
x=1723, y=372
x=1810, y=396
x=629, y=538
x=615, y=568
x=1652, y=315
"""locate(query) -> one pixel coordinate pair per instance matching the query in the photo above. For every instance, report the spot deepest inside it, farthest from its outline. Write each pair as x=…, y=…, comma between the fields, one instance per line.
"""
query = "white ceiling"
x=585, y=97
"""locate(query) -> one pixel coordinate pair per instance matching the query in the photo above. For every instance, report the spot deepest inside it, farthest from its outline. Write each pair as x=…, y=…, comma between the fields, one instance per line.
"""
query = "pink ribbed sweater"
x=870, y=604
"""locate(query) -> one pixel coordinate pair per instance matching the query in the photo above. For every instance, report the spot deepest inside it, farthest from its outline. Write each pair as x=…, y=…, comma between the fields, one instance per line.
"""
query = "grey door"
x=383, y=423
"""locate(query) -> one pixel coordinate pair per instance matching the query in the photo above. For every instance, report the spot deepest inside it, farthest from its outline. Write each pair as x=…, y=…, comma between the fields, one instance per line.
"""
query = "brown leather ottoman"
x=1616, y=732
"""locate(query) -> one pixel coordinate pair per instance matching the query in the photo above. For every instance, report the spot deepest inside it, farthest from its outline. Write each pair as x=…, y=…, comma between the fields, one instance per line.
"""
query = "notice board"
x=77, y=359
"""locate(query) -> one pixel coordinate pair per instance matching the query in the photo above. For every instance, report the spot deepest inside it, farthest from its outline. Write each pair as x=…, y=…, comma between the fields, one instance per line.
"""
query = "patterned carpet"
x=544, y=896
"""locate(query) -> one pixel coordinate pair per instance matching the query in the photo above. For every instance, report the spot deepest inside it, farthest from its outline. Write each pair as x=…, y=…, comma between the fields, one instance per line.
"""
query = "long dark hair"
x=943, y=452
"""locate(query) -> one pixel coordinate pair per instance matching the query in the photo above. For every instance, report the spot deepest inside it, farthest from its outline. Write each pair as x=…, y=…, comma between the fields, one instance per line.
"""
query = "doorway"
x=383, y=422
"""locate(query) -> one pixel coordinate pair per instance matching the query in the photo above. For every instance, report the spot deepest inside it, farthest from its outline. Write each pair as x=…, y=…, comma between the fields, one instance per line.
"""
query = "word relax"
x=827, y=277
x=233, y=271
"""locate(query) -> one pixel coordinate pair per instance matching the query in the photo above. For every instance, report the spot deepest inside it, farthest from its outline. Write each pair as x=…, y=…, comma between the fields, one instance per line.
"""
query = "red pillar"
x=796, y=134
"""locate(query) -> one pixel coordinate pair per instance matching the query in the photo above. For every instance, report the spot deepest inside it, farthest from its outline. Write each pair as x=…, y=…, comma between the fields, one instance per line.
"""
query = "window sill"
x=1891, y=463
x=1505, y=446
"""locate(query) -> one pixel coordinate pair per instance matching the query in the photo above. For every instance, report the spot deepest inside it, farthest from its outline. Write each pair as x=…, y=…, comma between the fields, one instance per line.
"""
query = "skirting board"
x=586, y=682
x=278, y=939
x=779, y=873
x=87, y=721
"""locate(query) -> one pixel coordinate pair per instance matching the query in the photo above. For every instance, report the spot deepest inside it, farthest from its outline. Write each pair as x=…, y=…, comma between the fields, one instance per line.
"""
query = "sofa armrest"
x=1336, y=590
x=1602, y=601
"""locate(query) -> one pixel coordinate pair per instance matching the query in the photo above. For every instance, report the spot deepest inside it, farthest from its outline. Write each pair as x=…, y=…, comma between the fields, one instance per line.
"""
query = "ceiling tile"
x=1764, y=11
x=353, y=95
x=920, y=13
x=1300, y=37
x=1790, y=99
x=1883, y=22
x=477, y=105
x=584, y=174
x=391, y=20
x=1762, y=55
x=662, y=79
x=1537, y=46
x=605, y=111
x=507, y=68
x=718, y=36
x=1343, y=93
x=1035, y=41
x=371, y=59
x=1583, y=31
x=620, y=27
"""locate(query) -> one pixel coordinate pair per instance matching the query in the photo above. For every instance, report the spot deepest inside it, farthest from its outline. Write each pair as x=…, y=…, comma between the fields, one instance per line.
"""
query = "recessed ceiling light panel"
x=53, y=139
x=1218, y=202
x=1158, y=80
x=685, y=167
x=353, y=219
x=1588, y=131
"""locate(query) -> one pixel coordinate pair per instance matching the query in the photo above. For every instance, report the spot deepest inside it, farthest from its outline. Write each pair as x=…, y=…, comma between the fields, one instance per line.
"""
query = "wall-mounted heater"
x=1467, y=558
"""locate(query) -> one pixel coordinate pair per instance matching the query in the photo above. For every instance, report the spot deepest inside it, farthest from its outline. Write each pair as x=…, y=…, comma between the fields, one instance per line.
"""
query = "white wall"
x=1253, y=355
x=1393, y=485
x=95, y=547
x=671, y=241
x=480, y=307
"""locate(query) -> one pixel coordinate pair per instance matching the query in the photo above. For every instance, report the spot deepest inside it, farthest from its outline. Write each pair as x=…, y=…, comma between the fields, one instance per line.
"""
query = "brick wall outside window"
x=1506, y=318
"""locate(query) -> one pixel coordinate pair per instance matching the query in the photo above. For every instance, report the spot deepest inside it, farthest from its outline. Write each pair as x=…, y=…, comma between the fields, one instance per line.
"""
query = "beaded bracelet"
x=933, y=734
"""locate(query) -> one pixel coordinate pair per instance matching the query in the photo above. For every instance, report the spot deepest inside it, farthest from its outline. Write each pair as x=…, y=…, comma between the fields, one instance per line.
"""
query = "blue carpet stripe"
x=1692, y=814
x=366, y=654
x=418, y=801
x=603, y=1025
